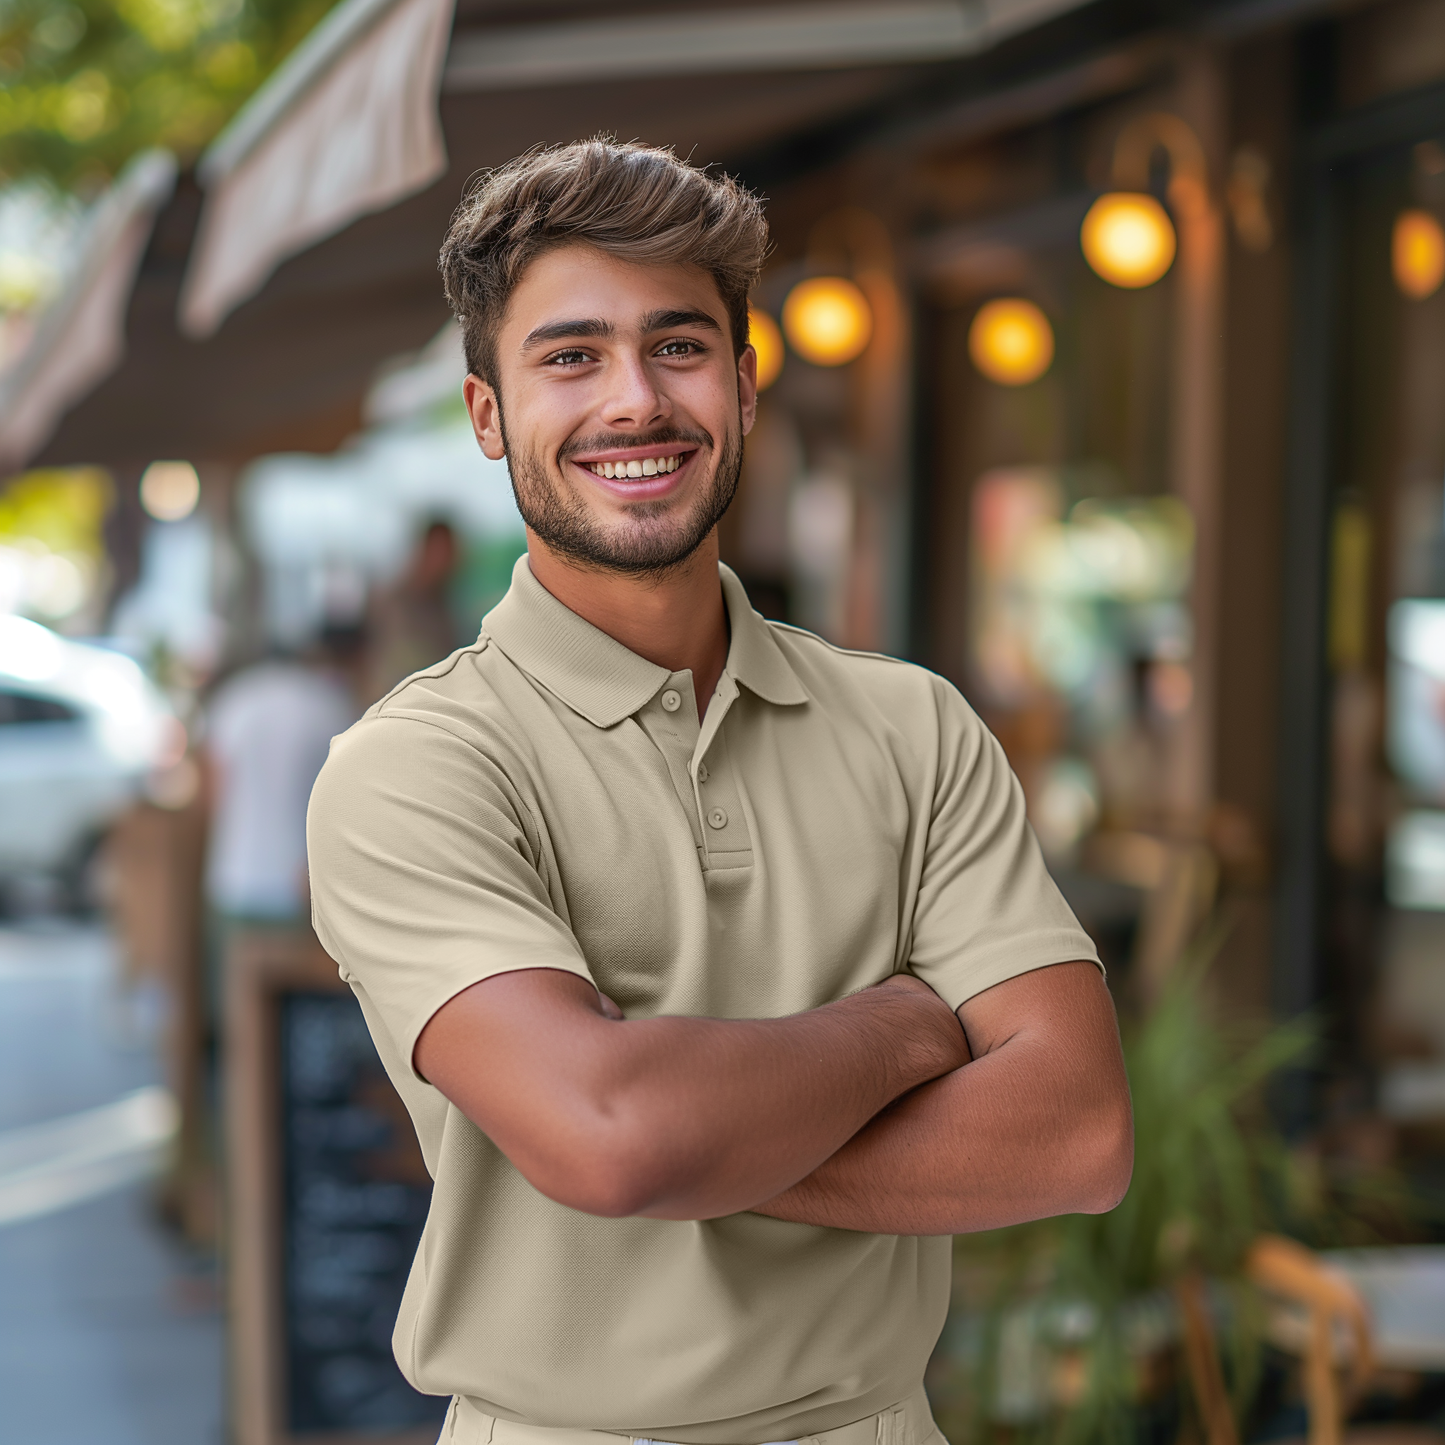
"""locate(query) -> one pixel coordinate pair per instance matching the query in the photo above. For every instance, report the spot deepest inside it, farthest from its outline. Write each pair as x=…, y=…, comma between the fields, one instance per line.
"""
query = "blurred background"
x=1103, y=348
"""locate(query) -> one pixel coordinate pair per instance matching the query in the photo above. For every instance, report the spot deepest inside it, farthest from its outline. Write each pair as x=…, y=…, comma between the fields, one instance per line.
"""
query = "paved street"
x=109, y=1331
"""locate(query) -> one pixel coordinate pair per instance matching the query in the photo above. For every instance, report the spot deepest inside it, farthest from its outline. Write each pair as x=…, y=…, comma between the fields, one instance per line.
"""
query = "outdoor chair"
x=1317, y=1315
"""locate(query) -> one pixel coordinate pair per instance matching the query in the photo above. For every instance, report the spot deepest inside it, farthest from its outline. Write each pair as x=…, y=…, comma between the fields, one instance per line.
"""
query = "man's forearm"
x=676, y=1118
x=1031, y=1129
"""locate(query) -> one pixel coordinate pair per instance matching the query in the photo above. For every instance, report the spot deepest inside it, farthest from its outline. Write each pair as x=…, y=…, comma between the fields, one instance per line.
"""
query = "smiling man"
x=717, y=966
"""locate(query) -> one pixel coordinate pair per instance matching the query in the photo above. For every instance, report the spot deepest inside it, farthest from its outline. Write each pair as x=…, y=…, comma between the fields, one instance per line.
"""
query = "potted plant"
x=1072, y=1329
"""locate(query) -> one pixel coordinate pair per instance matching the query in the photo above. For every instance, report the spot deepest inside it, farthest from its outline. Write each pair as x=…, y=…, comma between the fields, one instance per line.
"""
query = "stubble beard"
x=653, y=540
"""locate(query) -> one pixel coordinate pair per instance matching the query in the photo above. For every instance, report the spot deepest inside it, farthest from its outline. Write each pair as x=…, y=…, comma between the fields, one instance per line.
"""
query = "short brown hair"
x=635, y=201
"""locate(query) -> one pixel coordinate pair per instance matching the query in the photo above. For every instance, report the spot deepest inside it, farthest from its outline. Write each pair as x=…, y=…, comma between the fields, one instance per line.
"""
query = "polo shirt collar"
x=754, y=657
x=596, y=676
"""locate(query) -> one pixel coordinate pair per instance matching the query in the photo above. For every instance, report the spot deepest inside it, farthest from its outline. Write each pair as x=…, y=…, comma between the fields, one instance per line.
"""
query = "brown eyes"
x=574, y=356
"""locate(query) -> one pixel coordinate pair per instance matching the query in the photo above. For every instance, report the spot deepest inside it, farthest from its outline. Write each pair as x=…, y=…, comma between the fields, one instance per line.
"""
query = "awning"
x=320, y=277
x=349, y=124
x=80, y=338
x=719, y=41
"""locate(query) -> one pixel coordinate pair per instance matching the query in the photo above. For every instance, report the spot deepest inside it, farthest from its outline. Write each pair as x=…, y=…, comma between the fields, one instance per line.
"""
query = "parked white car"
x=80, y=728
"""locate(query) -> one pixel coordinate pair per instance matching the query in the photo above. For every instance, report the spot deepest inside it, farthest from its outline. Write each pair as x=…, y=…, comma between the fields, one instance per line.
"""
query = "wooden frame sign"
x=326, y=1198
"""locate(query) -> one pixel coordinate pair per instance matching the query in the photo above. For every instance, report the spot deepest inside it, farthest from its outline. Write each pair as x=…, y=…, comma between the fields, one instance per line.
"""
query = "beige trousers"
x=908, y=1423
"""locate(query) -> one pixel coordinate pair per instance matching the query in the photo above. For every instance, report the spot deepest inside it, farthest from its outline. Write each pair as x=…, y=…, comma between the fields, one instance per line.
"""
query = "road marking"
x=51, y=1166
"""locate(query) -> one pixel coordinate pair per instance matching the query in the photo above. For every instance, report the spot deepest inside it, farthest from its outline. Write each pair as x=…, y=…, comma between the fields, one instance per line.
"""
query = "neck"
x=677, y=621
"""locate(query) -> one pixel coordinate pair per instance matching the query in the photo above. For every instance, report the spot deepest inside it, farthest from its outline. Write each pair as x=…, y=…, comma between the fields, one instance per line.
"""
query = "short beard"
x=651, y=543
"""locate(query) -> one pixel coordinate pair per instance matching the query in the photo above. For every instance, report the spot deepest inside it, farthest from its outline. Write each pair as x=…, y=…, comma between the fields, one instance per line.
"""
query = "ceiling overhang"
x=299, y=316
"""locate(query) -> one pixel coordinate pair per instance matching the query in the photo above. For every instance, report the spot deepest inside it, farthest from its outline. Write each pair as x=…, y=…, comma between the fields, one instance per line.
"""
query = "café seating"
x=1316, y=1313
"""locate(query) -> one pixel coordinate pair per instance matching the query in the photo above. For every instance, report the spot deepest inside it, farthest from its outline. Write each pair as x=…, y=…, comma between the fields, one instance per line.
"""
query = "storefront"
x=1177, y=534
x=1021, y=479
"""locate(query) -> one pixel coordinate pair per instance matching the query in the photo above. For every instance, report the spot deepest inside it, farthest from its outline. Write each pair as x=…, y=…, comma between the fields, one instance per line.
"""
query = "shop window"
x=1384, y=908
x=1081, y=638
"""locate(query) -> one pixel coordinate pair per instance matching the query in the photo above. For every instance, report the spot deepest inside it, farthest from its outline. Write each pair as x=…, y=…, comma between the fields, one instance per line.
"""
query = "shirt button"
x=717, y=819
x=671, y=700
x=702, y=772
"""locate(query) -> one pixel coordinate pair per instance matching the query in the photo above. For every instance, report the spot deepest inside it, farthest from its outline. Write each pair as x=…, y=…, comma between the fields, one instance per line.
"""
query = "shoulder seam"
x=438, y=669
x=425, y=722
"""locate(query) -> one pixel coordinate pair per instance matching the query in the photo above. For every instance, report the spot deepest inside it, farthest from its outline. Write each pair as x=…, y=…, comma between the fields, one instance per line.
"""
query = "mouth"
x=638, y=471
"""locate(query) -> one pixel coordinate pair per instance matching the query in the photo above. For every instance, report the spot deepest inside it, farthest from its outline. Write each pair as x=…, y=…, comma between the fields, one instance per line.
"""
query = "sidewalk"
x=109, y=1333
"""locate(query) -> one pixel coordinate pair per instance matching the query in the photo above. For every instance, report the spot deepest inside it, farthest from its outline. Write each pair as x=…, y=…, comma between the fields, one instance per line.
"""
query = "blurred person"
x=411, y=623
x=718, y=967
x=268, y=729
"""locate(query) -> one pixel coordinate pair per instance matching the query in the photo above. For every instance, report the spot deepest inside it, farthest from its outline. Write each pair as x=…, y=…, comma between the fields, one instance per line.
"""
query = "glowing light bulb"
x=767, y=341
x=1417, y=254
x=1128, y=238
x=169, y=491
x=1011, y=341
x=827, y=320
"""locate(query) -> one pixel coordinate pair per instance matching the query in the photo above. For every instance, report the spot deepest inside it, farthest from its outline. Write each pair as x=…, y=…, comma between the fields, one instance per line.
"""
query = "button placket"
x=671, y=725
x=725, y=837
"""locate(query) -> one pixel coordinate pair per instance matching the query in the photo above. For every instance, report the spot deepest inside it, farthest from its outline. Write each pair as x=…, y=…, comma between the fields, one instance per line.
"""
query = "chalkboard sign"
x=356, y=1198
x=328, y=1195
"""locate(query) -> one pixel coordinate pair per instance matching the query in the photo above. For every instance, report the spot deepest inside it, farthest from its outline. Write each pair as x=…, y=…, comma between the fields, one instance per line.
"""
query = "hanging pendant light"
x=1128, y=238
x=827, y=320
x=1011, y=341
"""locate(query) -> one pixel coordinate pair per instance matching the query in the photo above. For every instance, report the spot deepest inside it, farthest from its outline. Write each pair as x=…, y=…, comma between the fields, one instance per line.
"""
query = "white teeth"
x=650, y=467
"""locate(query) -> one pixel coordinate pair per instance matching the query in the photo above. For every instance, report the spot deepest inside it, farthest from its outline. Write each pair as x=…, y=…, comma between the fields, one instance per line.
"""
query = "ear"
x=748, y=387
x=486, y=415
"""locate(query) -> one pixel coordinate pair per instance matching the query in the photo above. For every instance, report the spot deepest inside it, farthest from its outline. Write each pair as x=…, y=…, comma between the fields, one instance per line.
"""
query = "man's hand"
x=676, y=1118
x=1039, y=1124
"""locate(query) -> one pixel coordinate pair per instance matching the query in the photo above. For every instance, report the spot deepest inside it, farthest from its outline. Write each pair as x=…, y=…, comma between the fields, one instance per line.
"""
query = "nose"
x=634, y=401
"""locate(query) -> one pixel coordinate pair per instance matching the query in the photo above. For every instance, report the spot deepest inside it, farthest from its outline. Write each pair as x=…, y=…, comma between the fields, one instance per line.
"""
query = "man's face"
x=625, y=409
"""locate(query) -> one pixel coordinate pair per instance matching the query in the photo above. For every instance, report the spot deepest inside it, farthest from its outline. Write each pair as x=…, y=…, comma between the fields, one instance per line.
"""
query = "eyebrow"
x=604, y=330
x=559, y=330
x=665, y=320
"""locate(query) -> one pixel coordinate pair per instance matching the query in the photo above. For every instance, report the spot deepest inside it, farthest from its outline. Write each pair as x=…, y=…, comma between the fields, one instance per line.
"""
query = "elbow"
x=607, y=1174
x=604, y=1188
x=1109, y=1153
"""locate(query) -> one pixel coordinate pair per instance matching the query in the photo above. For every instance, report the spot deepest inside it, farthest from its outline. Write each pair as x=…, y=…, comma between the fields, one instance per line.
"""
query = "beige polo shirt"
x=546, y=798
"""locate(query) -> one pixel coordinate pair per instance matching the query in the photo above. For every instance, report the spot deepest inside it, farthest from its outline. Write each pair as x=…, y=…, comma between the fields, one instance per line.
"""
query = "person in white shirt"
x=268, y=731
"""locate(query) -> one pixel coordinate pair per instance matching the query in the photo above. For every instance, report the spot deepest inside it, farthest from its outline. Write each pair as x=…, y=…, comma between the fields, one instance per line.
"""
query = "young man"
x=660, y=913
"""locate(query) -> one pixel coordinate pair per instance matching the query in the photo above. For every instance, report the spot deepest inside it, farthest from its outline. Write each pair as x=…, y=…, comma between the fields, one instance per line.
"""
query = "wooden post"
x=261, y=968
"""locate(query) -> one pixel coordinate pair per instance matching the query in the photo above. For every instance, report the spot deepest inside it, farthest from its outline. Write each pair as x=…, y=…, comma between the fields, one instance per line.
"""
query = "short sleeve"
x=987, y=909
x=426, y=873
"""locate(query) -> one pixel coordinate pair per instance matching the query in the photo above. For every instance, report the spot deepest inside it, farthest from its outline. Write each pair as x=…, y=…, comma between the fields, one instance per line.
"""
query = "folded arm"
x=676, y=1118
x=1038, y=1124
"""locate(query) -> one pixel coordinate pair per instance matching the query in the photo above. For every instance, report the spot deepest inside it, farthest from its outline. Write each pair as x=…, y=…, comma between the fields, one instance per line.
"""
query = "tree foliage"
x=86, y=84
